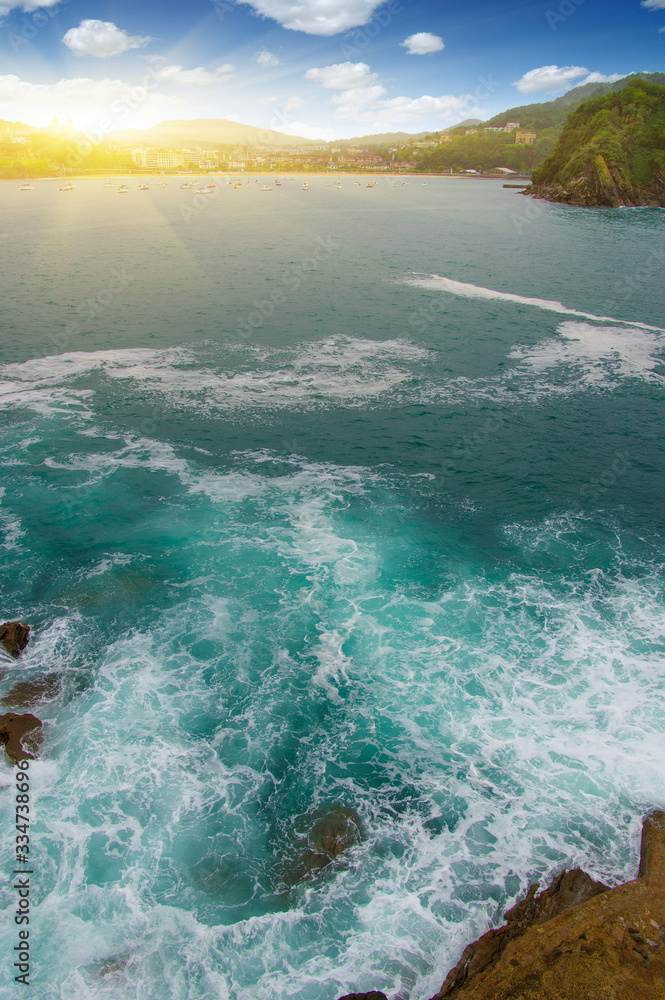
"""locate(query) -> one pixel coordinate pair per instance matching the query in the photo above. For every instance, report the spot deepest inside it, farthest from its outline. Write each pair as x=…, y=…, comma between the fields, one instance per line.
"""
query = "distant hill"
x=396, y=138
x=554, y=113
x=208, y=132
x=611, y=151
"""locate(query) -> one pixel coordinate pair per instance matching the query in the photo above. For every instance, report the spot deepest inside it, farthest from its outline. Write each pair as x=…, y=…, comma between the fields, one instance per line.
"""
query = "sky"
x=321, y=69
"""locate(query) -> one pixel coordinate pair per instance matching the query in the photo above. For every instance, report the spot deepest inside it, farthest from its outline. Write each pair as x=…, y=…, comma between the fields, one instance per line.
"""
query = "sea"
x=347, y=495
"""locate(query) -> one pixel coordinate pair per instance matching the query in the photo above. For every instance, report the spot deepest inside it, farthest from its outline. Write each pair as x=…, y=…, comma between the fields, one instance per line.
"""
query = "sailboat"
x=67, y=186
x=27, y=186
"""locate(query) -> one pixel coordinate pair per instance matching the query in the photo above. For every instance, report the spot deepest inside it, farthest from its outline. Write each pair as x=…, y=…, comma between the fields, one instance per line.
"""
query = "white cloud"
x=342, y=76
x=101, y=39
x=199, y=75
x=265, y=58
x=294, y=104
x=654, y=5
x=316, y=17
x=26, y=5
x=385, y=115
x=422, y=44
x=601, y=78
x=548, y=79
x=362, y=97
x=104, y=105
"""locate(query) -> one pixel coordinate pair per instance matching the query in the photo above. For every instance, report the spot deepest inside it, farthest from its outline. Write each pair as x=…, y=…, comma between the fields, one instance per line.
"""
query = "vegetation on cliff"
x=611, y=151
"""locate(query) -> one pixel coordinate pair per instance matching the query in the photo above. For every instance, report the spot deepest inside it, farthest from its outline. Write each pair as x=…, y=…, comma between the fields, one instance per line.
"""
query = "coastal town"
x=41, y=152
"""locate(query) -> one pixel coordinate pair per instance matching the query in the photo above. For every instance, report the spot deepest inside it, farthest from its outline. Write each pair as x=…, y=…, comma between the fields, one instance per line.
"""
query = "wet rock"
x=372, y=995
x=324, y=834
x=21, y=736
x=14, y=637
x=24, y=694
x=577, y=940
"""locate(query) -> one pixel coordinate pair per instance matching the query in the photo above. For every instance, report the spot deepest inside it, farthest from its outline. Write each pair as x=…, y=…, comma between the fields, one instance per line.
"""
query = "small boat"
x=67, y=186
x=278, y=184
x=305, y=186
x=162, y=184
x=237, y=185
x=143, y=187
x=209, y=185
x=266, y=187
x=28, y=186
x=107, y=184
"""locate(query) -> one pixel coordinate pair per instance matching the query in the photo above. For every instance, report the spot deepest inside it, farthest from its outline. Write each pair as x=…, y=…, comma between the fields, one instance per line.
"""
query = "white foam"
x=601, y=351
x=347, y=370
x=470, y=291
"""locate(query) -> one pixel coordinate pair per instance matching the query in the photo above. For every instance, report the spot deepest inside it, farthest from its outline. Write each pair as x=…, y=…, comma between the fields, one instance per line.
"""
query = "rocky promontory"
x=611, y=152
x=577, y=940
x=599, y=185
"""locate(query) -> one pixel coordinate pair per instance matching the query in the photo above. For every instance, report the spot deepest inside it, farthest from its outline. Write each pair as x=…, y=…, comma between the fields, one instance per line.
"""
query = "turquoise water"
x=305, y=514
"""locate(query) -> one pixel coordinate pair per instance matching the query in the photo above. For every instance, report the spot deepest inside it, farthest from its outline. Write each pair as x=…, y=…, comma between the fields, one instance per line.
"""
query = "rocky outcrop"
x=21, y=736
x=372, y=995
x=14, y=637
x=569, y=889
x=24, y=694
x=602, y=187
x=324, y=835
x=577, y=940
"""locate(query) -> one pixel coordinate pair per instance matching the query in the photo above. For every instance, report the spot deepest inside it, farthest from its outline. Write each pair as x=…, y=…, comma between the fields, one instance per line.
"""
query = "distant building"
x=525, y=138
x=471, y=131
x=159, y=159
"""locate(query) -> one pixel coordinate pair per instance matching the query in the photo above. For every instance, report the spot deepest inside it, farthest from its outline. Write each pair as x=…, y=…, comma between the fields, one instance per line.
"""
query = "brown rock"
x=20, y=734
x=24, y=694
x=325, y=834
x=14, y=637
x=372, y=995
x=577, y=940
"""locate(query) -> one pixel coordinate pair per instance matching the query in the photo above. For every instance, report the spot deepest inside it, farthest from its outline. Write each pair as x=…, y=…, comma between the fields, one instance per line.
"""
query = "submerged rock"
x=21, y=736
x=24, y=694
x=576, y=940
x=325, y=834
x=14, y=637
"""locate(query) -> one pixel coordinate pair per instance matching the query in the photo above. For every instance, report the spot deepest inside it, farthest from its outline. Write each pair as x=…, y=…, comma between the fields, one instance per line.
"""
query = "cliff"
x=611, y=152
x=577, y=940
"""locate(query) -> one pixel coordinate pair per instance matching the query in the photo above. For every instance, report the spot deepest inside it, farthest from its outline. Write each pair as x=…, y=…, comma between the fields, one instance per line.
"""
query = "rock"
x=577, y=940
x=326, y=833
x=599, y=186
x=20, y=735
x=24, y=694
x=14, y=637
x=372, y=995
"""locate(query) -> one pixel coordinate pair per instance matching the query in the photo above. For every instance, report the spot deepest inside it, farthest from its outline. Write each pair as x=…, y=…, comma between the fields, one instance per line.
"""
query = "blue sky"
x=317, y=68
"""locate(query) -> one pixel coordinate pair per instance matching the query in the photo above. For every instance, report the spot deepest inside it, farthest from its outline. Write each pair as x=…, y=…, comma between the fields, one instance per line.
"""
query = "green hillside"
x=611, y=150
